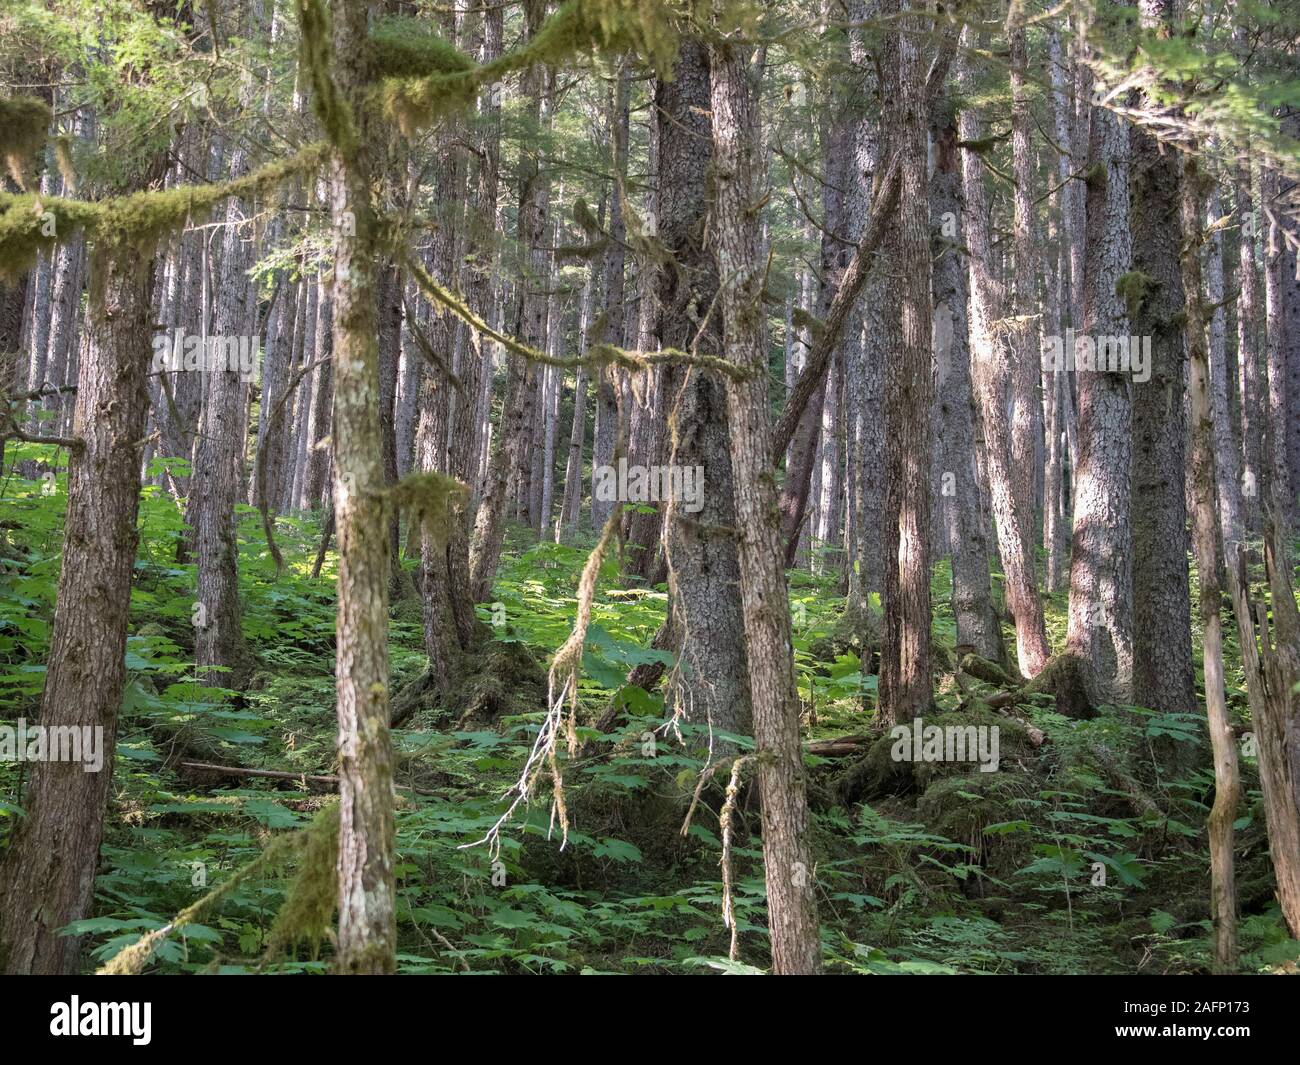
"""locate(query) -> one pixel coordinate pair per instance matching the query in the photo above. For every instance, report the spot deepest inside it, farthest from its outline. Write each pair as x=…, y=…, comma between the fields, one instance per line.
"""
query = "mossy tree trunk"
x=791, y=898
x=367, y=935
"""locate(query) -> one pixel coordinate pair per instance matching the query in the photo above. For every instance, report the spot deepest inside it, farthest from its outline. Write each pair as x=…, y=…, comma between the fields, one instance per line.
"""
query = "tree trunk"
x=1100, y=630
x=220, y=652
x=1163, y=676
x=905, y=681
x=48, y=874
x=791, y=898
x=1206, y=542
x=992, y=355
x=367, y=935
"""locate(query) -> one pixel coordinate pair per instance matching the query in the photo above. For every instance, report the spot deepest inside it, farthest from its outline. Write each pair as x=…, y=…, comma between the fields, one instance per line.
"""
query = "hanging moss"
x=314, y=55
x=430, y=497
x=63, y=155
x=131, y=960
x=803, y=320
x=308, y=910
x=24, y=121
x=589, y=222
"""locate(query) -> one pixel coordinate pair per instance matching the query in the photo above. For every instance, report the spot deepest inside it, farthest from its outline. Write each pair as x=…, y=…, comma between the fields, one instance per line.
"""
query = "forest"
x=742, y=487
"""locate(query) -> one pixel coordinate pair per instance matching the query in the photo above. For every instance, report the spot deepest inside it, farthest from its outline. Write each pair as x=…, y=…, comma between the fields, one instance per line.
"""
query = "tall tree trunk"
x=1283, y=481
x=993, y=354
x=1227, y=452
x=1100, y=630
x=791, y=898
x=703, y=577
x=48, y=874
x=972, y=601
x=221, y=654
x=905, y=681
x=521, y=379
x=367, y=934
x=1163, y=676
x=1056, y=497
x=1206, y=542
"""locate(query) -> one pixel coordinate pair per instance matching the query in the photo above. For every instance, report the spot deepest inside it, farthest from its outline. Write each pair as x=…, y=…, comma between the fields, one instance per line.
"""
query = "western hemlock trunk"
x=367, y=937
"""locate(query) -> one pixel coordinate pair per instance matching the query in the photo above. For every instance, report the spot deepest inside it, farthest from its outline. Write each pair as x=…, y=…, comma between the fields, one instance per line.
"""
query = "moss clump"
x=803, y=320
x=879, y=773
x=404, y=48
x=642, y=26
x=431, y=498
x=505, y=680
x=960, y=808
x=24, y=121
x=1133, y=288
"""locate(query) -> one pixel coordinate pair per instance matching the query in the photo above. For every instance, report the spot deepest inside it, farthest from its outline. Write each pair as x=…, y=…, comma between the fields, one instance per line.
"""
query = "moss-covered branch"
x=642, y=26
x=597, y=354
x=30, y=222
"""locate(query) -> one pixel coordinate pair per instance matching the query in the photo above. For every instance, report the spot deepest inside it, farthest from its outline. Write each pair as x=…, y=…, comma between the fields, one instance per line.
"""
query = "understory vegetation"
x=1078, y=856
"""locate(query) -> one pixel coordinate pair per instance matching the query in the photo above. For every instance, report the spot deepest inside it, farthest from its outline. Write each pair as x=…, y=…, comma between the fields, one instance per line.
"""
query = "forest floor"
x=1084, y=853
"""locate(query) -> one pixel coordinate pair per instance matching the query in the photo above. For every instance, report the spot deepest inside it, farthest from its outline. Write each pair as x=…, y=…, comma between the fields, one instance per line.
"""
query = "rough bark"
x=1163, y=675
x=220, y=652
x=48, y=873
x=905, y=681
x=992, y=355
x=972, y=600
x=1206, y=543
x=791, y=899
x=1100, y=630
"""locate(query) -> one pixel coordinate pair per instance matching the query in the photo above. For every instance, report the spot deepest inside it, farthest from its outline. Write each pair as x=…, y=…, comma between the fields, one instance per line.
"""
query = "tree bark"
x=993, y=353
x=905, y=681
x=48, y=873
x=1206, y=542
x=791, y=898
x=1163, y=675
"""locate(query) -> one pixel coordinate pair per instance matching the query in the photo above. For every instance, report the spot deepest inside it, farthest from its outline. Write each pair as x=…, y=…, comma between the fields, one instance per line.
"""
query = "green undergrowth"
x=1082, y=853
